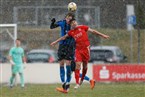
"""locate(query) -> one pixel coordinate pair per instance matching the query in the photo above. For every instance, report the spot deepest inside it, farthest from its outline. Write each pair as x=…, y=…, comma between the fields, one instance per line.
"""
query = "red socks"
x=84, y=73
x=77, y=76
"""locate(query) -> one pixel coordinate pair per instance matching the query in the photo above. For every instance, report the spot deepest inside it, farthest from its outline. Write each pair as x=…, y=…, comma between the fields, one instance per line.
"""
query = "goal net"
x=8, y=35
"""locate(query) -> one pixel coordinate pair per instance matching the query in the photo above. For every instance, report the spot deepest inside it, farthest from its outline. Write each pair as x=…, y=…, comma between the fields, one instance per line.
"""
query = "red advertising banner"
x=119, y=72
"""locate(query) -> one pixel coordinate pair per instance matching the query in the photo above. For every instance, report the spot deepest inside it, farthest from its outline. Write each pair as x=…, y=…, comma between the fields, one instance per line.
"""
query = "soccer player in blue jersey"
x=17, y=61
x=65, y=50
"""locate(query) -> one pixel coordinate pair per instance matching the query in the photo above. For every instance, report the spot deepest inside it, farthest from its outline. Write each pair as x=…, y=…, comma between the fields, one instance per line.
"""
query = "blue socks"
x=68, y=74
x=68, y=71
x=85, y=78
x=62, y=74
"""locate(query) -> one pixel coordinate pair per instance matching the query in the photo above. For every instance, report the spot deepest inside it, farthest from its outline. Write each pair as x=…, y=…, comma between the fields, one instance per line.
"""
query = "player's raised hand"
x=53, y=20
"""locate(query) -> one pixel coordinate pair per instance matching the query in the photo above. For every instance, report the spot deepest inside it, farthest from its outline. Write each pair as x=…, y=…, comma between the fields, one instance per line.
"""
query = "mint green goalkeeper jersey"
x=17, y=54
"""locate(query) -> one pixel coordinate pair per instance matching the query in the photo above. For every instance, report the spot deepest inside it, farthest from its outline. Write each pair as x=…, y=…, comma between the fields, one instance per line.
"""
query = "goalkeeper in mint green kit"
x=17, y=60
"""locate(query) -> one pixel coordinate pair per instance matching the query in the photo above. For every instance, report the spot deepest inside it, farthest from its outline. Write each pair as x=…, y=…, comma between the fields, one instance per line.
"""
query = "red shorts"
x=82, y=55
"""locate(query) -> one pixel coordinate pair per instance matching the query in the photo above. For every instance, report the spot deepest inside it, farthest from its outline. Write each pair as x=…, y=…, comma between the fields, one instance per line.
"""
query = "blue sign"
x=132, y=19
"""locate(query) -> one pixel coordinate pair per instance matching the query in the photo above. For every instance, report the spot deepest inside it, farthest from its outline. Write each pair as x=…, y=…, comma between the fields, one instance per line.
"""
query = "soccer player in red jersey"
x=82, y=50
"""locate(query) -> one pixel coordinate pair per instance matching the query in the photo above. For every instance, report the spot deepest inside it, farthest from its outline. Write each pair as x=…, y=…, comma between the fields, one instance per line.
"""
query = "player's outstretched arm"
x=59, y=39
x=98, y=33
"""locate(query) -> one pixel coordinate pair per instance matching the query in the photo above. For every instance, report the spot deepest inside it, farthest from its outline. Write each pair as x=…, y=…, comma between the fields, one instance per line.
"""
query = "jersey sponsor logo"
x=79, y=29
x=78, y=35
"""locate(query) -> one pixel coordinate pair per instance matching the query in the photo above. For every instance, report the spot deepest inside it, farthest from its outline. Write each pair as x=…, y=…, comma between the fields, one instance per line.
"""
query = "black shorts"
x=66, y=52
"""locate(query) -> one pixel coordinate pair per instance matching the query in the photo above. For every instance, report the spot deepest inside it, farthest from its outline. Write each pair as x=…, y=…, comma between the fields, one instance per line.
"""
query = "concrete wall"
x=37, y=73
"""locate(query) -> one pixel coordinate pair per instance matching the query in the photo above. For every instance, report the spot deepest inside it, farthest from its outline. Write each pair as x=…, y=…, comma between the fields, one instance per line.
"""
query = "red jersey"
x=80, y=35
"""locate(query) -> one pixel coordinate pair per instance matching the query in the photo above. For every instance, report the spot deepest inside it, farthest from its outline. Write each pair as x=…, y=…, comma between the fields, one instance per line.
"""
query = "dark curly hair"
x=73, y=19
x=70, y=14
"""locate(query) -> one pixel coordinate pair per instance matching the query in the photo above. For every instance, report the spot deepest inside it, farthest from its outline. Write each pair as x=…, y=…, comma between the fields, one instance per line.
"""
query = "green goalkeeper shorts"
x=17, y=69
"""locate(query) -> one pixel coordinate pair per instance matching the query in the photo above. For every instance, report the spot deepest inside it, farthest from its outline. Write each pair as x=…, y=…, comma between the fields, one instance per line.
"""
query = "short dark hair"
x=18, y=39
x=70, y=14
x=73, y=19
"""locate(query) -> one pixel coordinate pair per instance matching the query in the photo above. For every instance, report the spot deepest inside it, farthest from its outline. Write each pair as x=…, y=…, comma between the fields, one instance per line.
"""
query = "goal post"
x=8, y=32
x=5, y=28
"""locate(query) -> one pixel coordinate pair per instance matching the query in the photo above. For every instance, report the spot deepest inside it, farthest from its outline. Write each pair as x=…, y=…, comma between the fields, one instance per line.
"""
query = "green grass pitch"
x=100, y=90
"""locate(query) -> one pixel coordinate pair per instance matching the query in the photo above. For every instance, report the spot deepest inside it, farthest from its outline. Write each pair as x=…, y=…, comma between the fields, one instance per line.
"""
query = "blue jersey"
x=64, y=30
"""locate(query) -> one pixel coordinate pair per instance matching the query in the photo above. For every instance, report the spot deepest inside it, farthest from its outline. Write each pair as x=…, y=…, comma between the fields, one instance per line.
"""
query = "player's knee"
x=78, y=66
x=61, y=63
x=20, y=74
x=85, y=63
x=13, y=74
x=68, y=62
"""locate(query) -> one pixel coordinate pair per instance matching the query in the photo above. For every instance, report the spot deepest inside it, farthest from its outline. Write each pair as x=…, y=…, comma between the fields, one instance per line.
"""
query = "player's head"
x=69, y=16
x=18, y=42
x=73, y=23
